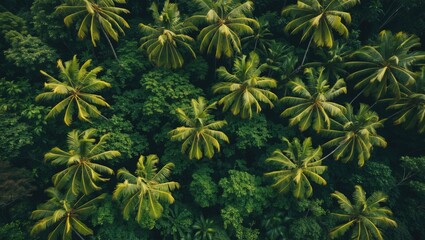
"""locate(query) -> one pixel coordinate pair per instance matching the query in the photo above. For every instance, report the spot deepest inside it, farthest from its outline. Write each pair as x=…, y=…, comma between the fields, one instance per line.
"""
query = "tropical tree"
x=165, y=42
x=355, y=134
x=146, y=190
x=261, y=38
x=318, y=18
x=299, y=164
x=200, y=134
x=204, y=229
x=82, y=173
x=65, y=214
x=333, y=60
x=365, y=216
x=410, y=111
x=245, y=88
x=280, y=59
x=386, y=66
x=96, y=15
x=226, y=22
x=75, y=89
x=311, y=103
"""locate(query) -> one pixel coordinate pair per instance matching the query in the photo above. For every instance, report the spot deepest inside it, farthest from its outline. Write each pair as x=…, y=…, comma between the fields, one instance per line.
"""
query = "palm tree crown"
x=317, y=18
x=411, y=111
x=227, y=21
x=300, y=163
x=65, y=213
x=75, y=90
x=245, y=88
x=97, y=15
x=386, y=66
x=145, y=190
x=82, y=173
x=200, y=132
x=165, y=41
x=312, y=103
x=365, y=216
x=355, y=134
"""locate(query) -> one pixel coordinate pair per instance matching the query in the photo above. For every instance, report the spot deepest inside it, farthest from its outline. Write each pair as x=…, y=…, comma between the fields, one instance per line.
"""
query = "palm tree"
x=411, y=111
x=355, y=134
x=311, y=103
x=280, y=59
x=200, y=134
x=386, y=66
x=65, y=214
x=317, y=18
x=245, y=88
x=365, y=216
x=333, y=60
x=226, y=22
x=82, y=173
x=145, y=190
x=204, y=229
x=96, y=15
x=165, y=42
x=261, y=37
x=75, y=90
x=299, y=164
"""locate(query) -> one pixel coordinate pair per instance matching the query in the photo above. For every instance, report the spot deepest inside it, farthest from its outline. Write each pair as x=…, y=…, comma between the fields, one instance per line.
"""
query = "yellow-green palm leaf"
x=166, y=42
x=299, y=164
x=200, y=133
x=310, y=104
x=410, y=111
x=75, y=91
x=354, y=135
x=387, y=66
x=227, y=22
x=95, y=16
x=366, y=217
x=318, y=19
x=144, y=192
x=82, y=173
x=64, y=214
x=245, y=88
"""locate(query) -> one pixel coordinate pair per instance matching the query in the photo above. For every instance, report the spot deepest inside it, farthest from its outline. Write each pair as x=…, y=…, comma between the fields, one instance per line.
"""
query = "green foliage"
x=203, y=183
x=123, y=136
x=9, y=22
x=317, y=19
x=306, y=228
x=64, y=213
x=82, y=173
x=226, y=22
x=355, y=134
x=145, y=191
x=244, y=192
x=244, y=87
x=253, y=133
x=165, y=41
x=15, y=184
x=311, y=103
x=200, y=133
x=13, y=230
x=366, y=216
x=161, y=93
x=75, y=89
x=47, y=24
x=300, y=163
x=175, y=222
x=27, y=52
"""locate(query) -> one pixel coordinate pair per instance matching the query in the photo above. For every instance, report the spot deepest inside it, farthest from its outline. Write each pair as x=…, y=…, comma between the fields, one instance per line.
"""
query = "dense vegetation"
x=212, y=119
